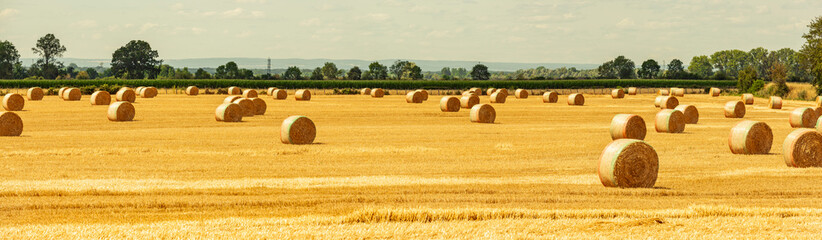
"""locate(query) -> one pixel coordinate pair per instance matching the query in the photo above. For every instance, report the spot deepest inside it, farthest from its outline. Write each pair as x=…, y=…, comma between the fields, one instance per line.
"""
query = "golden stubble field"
x=383, y=168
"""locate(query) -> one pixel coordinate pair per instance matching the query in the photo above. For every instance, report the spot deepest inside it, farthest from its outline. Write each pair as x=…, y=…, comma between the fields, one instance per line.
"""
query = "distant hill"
x=260, y=63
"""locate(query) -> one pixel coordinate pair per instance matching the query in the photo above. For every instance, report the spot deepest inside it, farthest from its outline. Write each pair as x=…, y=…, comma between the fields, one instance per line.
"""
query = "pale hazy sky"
x=473, y=30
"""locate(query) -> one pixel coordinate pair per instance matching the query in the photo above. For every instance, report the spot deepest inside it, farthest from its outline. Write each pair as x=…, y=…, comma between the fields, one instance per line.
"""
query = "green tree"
x=731, y=62
x=330, y=70
x=675, y=70
x=83, y=75
x=183, y=74
x=811, y=52
x=166, y=72
x=745, y=79
x=49, y=49
x=399, y=68
x=293, y=73
x=701, y=67
x=621, y=67
x=480, y=72
x=9, y=57
x=135, y=60
x=445, y=72
x=414, y=71
x=354, y=74
x=317, y=74
x=779, y=75
x=649, y=70
x=377, y=71
x=760, y=60
x=202, y=74
x=607, y=70
x=92, y=74
x=366, y=75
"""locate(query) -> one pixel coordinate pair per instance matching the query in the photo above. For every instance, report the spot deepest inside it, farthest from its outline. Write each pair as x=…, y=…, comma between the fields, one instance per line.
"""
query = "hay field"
x=383, y=168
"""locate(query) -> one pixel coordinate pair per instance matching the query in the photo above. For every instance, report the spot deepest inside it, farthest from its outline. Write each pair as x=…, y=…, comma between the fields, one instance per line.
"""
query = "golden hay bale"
x=658, y=101
x=498, y=97
x=628, y=126
x=750, y=137
x=192, y=91
x=748, y=99
x=35, y=94
x=249, y=109
x=550, y=97
x=576, y=99
x=628, y=163
x=377, y=93
x=280, y=94
x=521, y=93
x=668, y=102
x=234, y=91
x=679, y=92
x=450, y=104
x=10, y=124
x=804, y=117
x=819, y=124
x=690, y=112
x=734, y=109
x=803, y=148
x=775, y=103
x=229, y=112
x=819, y=101
x=298, y=130
x=413, y=97
x=121, y=111
x=259, y=106
x=125, y=94
x=230, y=99
x=483, y=113
x=617, y=93
x=818, y=112
x=365, y=91
x=138, y=90
x=632, y=91
x=60, y=92
x=663, y=92
x=72, y=94
x=100, y=98
x=490, y=91
x=13, y=102
x=469, y=93
x=469, y=101
x=478, y=91
x=423, y=93
x=503, y=90
x=302, y=95
x=270, y=91
x=715, y=92
x=670, y=121
x=250, y=93
x=148, y=92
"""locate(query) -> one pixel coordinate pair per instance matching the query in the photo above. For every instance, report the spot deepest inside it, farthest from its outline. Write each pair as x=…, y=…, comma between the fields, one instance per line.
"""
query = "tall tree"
x=445, y=71
x=779, y=74
x=811, y=52
x=480, y=72
x=377, y=71
x=49, y=49
x=317, y=74
x=650, y=69
x=9, y=57
x=621, y=67
x=330, y=70
x=202, y=74
x=675, y=70
x=760, y=60
x=701, y=67
x=92, y=74
x=414, y=71
x=746, y=78
x=293, y=73
x=354, y=74
x=398, y=69
x=607, y=70
x=135, y=60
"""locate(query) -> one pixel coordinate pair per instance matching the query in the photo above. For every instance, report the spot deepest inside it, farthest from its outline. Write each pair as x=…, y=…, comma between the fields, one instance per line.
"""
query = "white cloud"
x=86, y=23
x=232, y=13
x=8, y=12
x=147, y=26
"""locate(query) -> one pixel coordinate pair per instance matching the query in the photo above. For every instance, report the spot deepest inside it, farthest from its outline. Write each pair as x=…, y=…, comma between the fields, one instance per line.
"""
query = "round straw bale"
x=35, y=94
x=250, y=93
x=632, y=91
x=270, y=91
x=498, y=97
x=818, y=111
x=476, y=90
x=249, y=109
x=668, y=102
x=775, y=103
x=100, y=98
x=72, y=94
x=413, y=97
x=423, y=94
x=617, y=93
x=230, y=99
x=259, y=106
x=628, y=163
x=490, y=91
x=234, y=91
x=450, y=104
x=819, y=124
x=670, y=121
x=298, y=130
x=678, y=92
x=819, y=101
x=469, y=101
x=13, y=102
x=483, y=113
x=803, y=148
x=229, y=112
x=192, y=91
x=628, y=126
x=750, y=137
x=521, y=93
x=748, y=98
x=663, y=92
x=715, y=92
x=280, y=94
x=658, y=101
x=148, y=92
x=734, y=109
x=377, y=92
x=365, y=91
x=503, y=90
x=576, y=99
x=804, y=117
x=690, y=112
x=60, y=92
x=550, y=97
x=302, y=95
x=125, y=94
x=121, y=111
x=138, y=90
x=10, y=124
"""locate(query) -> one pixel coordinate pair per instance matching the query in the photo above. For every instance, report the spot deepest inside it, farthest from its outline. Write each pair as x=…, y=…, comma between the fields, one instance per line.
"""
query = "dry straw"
x=690, y=112
x=298, y=130
x=498, y=97
x=270, y=91
x=365, y=91
x=302, y=95
x=503, y=90
x=678, y=92
x=125, y=94
x=663, y=92
x=259, y=106
x=192, y=91
x=576, y=99
x=413, y=97
x=469, y=101
x=450, y=104
x=803, y=148
x=423, y=94
x=670, y=121
x=818, y=111
x=234, y=91
x=819, y=101
x=775, y=103
x=230, y=99
x=279, y=94
x=550, y=97
x=658, y=100
x=469, y=93
x=138, y=90
x=249, y=109
x=715, y=92
x=13, y=102
x=617, y=93
x=229, y=112
x=632, y=91
x=377, y=93
x=490, y=91
x=748, y=99
x=100, y=98
x=60, y=92
x=803, y=118
x=668, y=102
x=121, y=111
x=628, y=163
x=250, y=93
x=521, y=93
x=483, y=113
x=478, y=91
x=628, y=126
x=10, y=124
x=750, y=137
x=734, y=109
x=72, y=94
x=148, y=92
x=35, y=94
x=819, y=124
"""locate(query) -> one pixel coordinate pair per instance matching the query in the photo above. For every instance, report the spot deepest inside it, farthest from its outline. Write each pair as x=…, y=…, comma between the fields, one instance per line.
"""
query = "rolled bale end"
x=576, y=99
x=230, y=99
x=192, y=91
x=521, y=93
x=450, y=104
x=138, y=90
x=121, y=111
x=483, y=113
x=503, y=90
x=668, y=102
x=498, y=97
x=632, y=91
x=229, y=112
x=100, y=98
x=11, y=125
x=663, y=92
x=550, y=97
x=468, y=102
x=658, y=101
x=35, y=94
x=72, y=94
x=478, y=91
x=628, y=163
x=280, y=94
x=413, y=97
x=490, y=91
x=126, y=94
x=734, y=109
x=302, y=95
x=750, y=137
x=148, y=92
x=377, y=93
x=670, y=121
x=250, y=93
x=715, y=92
x=365, y=91
x=690, y=112
x=259, y=106
x=248, y=107
x=298, y=130
x=423, y=94
x=803, y=148
x=628, y=126
x=803, y=118
x=775, y=102
x=234, y=91
x=748, y=99
x=13, y=102
x=617, y=93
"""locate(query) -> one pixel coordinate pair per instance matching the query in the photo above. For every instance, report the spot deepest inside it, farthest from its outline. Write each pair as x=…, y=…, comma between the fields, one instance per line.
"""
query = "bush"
x=222, y=91
x=86, y=90
x=803, y=95
x=346, y=91
x=756, y=86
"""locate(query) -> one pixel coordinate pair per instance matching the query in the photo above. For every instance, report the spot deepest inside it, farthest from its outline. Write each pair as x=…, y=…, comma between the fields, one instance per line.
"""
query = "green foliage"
x=135, y=60
x=480, y=72
x=621, y=67
x=779, y=74
x=202, y=74
x=317, y=74
x=701, y=67
x=649, y=70
x=329, y=71
x=811, y=52
x=377, y=71
x=756, y=86
x=346, y=91
x=293, y=73
x=675, y=70
x=803, y=95
x=746, y=79
x=82, y=75
x=354, y=74
x=9, y=57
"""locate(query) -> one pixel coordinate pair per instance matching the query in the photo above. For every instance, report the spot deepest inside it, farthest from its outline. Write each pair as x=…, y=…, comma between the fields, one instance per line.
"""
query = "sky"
x=576, y=31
